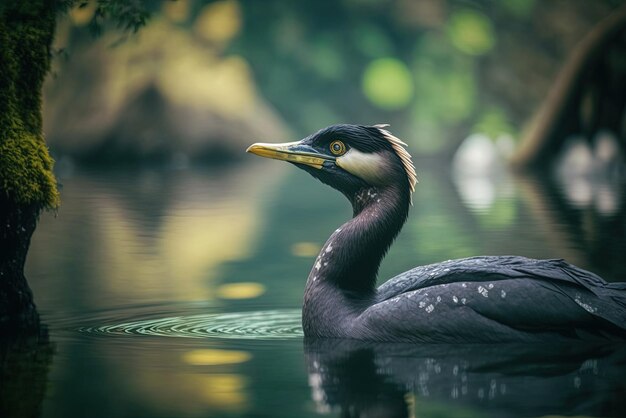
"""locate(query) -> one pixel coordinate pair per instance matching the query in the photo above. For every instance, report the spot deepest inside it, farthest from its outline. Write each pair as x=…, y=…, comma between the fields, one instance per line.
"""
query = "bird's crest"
x=400, y=148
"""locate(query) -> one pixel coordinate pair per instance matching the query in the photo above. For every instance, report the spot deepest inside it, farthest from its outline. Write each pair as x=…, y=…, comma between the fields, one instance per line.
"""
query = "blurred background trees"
x=207, y=77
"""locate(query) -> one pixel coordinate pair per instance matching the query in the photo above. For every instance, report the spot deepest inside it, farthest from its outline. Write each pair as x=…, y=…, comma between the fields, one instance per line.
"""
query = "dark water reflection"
x=390, y=380
x=24, y=364
x=136, y=261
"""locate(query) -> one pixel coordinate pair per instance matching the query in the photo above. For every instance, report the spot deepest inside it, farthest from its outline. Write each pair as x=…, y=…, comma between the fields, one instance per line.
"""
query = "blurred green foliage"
x=493, y=122
x=519, y=8
x=436, y=70
x=471, y=32
x=446, y=87
x=411, y=65
x=388, y=83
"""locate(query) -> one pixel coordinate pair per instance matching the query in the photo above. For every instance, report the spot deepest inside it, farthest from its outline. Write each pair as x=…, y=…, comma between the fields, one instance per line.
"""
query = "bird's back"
x=506, y=298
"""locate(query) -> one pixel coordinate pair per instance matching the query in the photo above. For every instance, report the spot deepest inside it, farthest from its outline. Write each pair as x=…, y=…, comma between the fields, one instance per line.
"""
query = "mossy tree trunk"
x=27, y=185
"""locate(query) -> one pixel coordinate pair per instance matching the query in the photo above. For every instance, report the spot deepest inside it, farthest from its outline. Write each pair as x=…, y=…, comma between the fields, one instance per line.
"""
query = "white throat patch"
x=370, y=167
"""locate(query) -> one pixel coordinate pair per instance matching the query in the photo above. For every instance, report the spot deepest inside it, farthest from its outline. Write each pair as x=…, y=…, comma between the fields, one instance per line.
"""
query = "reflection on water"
x=402, y=380
x=590, y=174
x=479, y=172
x=24, y=365
x=152, y=235
x=136, y=258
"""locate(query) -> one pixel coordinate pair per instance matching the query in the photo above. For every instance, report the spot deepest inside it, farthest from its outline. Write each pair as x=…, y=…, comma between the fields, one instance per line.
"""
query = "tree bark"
x=27, y=184
x=17, y=309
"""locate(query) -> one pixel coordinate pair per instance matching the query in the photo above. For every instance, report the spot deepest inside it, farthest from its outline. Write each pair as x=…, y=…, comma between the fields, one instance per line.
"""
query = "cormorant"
x=477, y=299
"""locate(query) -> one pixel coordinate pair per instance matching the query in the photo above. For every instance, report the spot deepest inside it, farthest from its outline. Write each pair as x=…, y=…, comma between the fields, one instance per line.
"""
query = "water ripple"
x=260, y=325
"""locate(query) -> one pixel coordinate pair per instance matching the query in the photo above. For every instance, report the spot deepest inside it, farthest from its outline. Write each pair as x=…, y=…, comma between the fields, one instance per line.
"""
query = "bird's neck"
x=352, y=255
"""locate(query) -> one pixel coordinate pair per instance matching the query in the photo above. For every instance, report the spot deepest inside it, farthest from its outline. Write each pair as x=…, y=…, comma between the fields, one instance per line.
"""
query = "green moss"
x=26, y=172
x=26, y=32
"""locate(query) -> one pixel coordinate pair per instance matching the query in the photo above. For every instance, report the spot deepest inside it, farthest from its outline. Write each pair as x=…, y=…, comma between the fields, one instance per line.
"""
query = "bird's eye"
x=337, y=148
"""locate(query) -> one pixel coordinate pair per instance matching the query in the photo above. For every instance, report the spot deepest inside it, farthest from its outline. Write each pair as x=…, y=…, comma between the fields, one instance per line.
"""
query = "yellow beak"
x=294, y=152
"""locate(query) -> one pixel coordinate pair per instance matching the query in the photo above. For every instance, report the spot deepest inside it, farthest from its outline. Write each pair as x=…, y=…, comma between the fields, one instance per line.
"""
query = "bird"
x=481, y=299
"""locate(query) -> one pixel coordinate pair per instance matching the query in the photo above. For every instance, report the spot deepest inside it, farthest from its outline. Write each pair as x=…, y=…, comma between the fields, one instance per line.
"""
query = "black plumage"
x=479, y=299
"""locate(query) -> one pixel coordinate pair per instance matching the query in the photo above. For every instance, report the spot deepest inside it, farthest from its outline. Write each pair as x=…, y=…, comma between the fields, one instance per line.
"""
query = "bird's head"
x=348, y=158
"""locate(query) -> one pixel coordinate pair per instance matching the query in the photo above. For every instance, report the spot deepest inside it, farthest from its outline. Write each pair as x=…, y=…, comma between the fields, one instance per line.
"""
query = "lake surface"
x=177, y=293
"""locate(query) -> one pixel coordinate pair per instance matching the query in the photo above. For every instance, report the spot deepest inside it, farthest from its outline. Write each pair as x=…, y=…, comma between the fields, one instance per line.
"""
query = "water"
x=259, y=325
x=177, y=294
